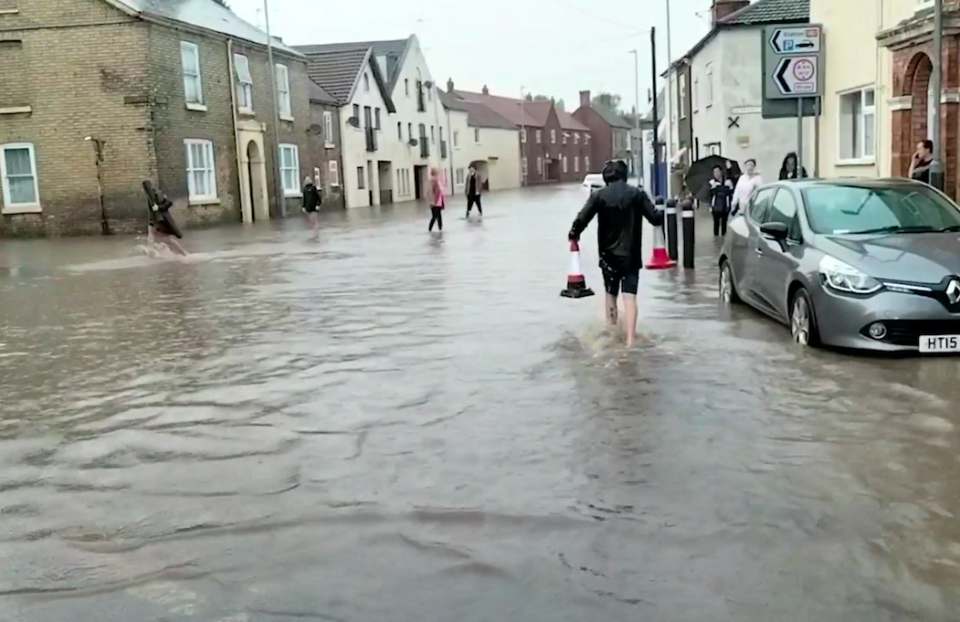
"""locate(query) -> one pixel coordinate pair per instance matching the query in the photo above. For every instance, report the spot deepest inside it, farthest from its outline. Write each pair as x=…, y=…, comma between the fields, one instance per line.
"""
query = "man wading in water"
x=620, y=209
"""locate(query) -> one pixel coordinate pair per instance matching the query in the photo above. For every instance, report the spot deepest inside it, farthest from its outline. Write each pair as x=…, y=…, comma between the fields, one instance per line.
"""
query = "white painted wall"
x=354, y=149
x=403, y=156
x=499, y=147
x=731, y=62
x=853, y=61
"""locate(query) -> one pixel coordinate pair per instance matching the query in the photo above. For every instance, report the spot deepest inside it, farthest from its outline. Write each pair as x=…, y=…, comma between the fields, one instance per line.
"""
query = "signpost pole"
x=799, y=137
x=816, y=137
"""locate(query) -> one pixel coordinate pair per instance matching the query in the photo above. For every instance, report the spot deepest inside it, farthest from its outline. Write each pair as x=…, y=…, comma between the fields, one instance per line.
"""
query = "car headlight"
x=845, y=278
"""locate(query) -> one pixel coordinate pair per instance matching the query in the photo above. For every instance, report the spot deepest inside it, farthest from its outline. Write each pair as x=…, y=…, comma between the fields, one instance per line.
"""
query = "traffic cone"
x=659, y=259
x=576, y=284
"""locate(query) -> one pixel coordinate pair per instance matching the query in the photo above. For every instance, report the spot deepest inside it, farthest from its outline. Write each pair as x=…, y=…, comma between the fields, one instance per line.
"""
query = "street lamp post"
x=638, y=156
x=668, y=114
x=523, y=140
x=936, y=168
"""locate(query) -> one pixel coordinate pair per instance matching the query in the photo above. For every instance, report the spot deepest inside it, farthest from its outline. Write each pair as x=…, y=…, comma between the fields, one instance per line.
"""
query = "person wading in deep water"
x=436, y=201
x=620, y=209
x=474, y=187
x=789, y=168
x=311, y=205
x=922, y=161
x=721, y=191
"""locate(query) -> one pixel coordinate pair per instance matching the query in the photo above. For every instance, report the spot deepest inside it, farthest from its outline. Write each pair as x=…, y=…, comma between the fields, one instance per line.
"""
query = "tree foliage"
x=607, y=100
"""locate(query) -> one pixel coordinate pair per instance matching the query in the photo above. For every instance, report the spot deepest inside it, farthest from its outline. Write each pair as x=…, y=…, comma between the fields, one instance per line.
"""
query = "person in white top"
x=747, y=183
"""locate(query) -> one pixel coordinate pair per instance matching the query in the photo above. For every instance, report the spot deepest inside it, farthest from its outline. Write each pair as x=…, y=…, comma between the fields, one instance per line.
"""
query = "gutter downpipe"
x=278, y=177
x=236, y=135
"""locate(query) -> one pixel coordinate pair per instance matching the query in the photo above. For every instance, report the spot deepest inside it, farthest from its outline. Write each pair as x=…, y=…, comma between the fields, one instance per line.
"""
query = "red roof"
x=528, y=114
x=567, y=122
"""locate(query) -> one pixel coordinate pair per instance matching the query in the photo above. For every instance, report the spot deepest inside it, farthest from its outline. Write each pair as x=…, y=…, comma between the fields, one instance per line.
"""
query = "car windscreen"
x=840, y=209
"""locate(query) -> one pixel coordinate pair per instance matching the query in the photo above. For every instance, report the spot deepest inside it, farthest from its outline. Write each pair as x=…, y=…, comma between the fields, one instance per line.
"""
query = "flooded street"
x=385, y=425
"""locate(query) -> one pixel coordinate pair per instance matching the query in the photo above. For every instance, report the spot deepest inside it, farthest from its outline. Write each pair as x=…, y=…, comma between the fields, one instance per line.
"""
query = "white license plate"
x=940, y=343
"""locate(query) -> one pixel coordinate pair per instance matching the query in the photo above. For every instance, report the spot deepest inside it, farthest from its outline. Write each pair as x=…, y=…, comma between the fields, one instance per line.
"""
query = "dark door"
x=777, y=260
x=418, y=182
x=744, y=257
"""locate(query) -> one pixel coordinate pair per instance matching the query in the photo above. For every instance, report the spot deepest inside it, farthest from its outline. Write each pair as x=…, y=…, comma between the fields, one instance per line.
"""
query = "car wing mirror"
x=775, y=231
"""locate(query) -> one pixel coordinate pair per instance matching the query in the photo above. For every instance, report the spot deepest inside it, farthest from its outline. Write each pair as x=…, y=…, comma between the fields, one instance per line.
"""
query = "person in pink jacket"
x=436, y=201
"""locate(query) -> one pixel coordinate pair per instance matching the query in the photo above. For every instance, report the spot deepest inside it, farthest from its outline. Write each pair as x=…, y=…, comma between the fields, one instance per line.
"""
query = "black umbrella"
x=698, y=177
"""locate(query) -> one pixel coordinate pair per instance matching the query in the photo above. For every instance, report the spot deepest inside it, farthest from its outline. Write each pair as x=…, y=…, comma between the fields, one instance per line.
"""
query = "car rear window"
x=841, y=209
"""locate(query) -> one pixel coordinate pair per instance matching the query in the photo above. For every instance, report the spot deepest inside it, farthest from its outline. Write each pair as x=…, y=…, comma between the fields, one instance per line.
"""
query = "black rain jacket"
x=620, y=209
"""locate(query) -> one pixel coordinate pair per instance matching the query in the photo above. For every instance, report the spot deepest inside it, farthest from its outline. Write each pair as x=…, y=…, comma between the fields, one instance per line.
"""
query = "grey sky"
x=552, y=47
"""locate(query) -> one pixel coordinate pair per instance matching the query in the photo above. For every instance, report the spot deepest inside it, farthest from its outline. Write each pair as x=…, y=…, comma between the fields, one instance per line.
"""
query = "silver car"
x=868, y=264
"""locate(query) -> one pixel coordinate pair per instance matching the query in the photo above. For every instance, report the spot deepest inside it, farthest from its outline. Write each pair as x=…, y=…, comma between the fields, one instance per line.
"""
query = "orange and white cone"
x=659, y=259
x=576, y=283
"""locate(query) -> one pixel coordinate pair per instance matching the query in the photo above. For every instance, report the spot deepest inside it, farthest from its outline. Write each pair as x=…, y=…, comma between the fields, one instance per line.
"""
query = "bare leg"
x=315, y=224
x=174, y=245
x=630, y=318
x=611, y=310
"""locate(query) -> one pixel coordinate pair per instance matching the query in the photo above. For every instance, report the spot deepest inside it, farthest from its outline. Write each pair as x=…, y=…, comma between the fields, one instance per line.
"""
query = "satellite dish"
x=413, y=142
x=354, y=121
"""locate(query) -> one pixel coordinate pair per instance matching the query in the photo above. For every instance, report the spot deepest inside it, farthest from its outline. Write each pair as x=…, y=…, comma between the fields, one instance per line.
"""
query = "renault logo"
x=953, y=291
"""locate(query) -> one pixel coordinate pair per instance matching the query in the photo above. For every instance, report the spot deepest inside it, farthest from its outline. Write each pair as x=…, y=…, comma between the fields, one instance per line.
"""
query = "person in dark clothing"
x=311, y=205
x=474, y=187
x=922, y=161
x=789, y=168
x=620, y=209
x=721, y=194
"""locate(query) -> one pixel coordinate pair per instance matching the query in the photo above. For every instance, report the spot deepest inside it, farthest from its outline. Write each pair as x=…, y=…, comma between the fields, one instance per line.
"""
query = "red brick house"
x=611, y=132
x=553, y=145
x=912, y=51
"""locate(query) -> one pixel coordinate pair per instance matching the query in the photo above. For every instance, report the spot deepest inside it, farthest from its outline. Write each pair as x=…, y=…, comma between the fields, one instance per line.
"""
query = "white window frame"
x=553, y=137
x=576, y=138
x=19, y=208
x=564, y=164
x=538, y=136
x=334, y=173
x=576, y=164
x=283, y=92
x=586, y=164
x=523, y=135
x=192, y=74
x=294, y=190
x=709, y=102
x=867, y=114
x=328, y=129
x=460, y=177
x=211, y=156
x=586, y=139
x=540, y=166
x=523, y=166
x=243, y=84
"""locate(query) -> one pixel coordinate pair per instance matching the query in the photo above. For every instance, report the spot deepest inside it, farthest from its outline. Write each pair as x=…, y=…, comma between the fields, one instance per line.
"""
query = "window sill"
x=196, y=107
x=26, y=208
x=329, y=146
x=199, y=201
x=286, y=118
x=16, y=110
x=246, y=112
x=293, y=195
x=857, y=162
x=9, y=11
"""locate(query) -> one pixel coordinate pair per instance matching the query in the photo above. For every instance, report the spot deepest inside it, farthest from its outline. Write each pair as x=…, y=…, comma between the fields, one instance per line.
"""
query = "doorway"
x=385, y=173
x=418, y=176
x=370, y=182
x=255, y=177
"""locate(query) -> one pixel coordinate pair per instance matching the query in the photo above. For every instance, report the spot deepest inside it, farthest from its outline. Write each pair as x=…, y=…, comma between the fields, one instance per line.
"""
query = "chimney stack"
x=486, y=91
x=449, y=85
x=722, y=8
x=584, y=98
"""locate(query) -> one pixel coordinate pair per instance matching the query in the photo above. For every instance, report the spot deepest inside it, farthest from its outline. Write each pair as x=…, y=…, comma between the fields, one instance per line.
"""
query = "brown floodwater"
x=388, y=425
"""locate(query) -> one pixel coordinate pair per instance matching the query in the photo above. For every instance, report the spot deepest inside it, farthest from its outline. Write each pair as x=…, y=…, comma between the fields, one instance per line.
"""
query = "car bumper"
x=843, y=320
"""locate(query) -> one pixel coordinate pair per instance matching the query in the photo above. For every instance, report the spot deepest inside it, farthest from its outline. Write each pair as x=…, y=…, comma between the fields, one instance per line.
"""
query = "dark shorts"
x=615, y=280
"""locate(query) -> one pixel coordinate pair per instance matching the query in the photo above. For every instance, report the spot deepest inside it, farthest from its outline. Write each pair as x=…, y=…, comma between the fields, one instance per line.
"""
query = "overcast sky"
x=551, y=47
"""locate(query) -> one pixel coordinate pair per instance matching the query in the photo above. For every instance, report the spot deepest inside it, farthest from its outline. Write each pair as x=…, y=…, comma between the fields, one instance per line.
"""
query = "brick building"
x=611, y=132
x=178, y=93
x=911, y=97
x=553, y=145
x=325, y=146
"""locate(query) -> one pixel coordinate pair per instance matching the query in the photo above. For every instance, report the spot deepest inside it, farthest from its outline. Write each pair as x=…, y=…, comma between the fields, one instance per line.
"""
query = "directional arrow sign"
x=796, y=76
x=799, y=40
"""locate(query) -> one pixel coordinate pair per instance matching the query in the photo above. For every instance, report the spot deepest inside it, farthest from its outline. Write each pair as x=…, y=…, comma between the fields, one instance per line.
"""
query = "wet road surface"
x=387, y=425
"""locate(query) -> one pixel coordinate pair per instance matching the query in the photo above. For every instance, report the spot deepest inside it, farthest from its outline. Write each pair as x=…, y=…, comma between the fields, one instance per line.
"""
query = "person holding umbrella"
x=721, y=192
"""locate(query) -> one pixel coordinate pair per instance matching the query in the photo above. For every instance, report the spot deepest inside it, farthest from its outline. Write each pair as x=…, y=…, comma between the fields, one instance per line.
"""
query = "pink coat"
x=436, y=192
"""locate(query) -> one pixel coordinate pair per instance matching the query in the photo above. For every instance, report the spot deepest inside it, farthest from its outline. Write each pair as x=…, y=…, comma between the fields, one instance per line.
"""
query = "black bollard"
x=686, y=214
x=672, y=242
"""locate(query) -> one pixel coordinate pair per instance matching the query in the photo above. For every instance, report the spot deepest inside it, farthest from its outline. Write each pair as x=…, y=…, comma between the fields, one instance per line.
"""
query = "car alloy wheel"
x=800, y=322
x=728, y=293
